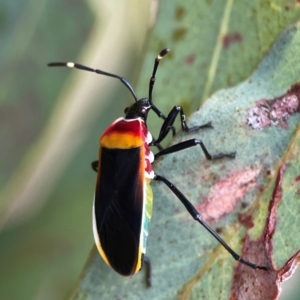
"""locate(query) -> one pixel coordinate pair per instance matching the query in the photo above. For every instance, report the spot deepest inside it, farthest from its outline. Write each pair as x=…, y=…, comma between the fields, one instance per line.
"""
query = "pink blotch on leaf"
x=225, y=194
x=189, y=60
x=232, y=38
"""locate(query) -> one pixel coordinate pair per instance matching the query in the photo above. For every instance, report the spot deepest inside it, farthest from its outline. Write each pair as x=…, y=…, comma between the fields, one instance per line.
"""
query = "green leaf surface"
x=214, y=44
x=251, y=200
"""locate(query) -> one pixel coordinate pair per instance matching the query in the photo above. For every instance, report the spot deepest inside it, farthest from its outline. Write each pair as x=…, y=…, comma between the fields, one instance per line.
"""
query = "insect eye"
x=143, y=110
x=126, y=110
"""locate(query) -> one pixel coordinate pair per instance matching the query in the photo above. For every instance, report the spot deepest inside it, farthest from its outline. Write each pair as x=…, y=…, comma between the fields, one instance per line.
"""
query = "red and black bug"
x=123, y=197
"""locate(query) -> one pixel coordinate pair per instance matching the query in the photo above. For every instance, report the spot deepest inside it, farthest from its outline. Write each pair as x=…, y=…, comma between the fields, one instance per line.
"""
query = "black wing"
x=119, y=207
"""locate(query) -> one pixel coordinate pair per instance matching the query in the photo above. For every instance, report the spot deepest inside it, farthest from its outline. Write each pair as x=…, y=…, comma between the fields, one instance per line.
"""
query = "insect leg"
x=157, y=145
x=147, y=262
x=194, y=213
x=169, y=121
x=94, y=165
x=191, y=143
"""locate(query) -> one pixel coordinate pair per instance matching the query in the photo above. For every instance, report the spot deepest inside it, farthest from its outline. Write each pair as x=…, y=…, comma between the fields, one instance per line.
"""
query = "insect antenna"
x=152, y=81
x=81, y=67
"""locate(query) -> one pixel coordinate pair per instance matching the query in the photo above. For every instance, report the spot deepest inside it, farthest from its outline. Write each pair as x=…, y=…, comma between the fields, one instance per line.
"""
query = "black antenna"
x=156, y=63
x=81, y=67
x=152, y=81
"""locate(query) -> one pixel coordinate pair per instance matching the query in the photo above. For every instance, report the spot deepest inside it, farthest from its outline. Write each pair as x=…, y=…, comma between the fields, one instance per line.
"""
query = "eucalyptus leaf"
x=252, y=201
x=214, y=44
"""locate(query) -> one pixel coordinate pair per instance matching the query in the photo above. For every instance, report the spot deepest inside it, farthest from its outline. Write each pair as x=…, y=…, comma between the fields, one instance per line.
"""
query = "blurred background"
x=51, y=120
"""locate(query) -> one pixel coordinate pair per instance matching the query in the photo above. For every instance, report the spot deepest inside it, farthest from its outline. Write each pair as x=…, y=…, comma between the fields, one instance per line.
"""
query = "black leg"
x=169, y=121
x=157, y=145
x=191, y=143
x=94, y=165
x=147, y=262
x=194, y=213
